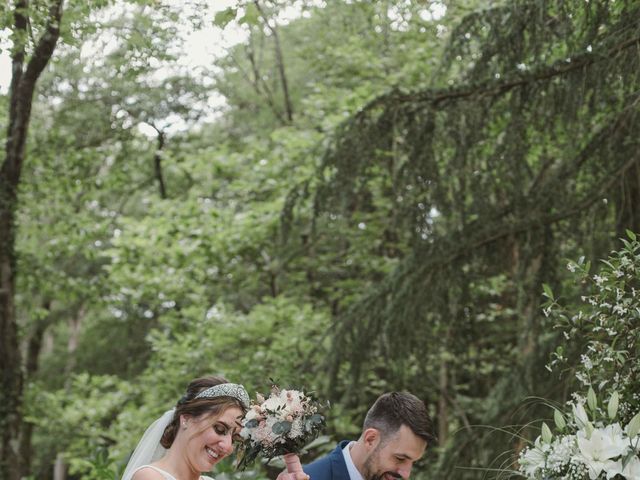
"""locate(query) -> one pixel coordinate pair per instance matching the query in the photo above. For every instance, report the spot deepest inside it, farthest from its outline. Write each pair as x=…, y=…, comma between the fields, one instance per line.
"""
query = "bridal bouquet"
x=283, y=423
x=585, y=448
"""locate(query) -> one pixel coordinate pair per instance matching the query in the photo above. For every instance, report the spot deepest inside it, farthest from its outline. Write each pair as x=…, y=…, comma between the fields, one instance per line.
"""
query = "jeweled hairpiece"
x=226, y=390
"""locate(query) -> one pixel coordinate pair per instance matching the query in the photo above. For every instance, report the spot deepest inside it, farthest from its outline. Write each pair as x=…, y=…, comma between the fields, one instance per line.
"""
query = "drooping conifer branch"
x=529, y=143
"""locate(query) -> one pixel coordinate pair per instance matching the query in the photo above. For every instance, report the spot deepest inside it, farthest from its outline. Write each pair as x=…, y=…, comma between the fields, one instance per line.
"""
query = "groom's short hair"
x=394, y=409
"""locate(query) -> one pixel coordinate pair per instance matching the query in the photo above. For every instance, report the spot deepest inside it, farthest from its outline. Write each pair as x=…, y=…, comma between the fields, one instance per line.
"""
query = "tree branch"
x=46, y=44
x=492, y=87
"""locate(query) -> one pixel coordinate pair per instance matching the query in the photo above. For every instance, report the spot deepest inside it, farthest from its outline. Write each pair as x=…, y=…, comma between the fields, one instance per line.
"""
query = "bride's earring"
x=184, y=425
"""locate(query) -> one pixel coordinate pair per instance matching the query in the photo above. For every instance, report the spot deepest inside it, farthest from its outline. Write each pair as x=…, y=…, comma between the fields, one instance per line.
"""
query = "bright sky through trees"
x=201, y=46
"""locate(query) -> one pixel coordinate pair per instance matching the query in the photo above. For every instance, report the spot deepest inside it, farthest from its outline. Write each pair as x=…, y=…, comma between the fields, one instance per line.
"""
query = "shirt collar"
x=354, y=473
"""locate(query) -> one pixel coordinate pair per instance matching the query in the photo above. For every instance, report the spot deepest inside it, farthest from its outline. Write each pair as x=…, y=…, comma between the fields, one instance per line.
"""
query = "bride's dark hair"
x=189, y=405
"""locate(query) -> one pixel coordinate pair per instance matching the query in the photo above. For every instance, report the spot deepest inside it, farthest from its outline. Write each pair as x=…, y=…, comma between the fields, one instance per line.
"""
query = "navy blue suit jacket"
x=329, y=467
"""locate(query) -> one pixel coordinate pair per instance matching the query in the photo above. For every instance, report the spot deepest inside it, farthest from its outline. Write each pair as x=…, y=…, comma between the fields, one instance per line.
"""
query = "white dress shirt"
x=354, y=474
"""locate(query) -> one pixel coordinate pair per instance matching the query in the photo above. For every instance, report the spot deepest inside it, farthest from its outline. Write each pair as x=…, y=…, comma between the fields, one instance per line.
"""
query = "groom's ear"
x=371, y=437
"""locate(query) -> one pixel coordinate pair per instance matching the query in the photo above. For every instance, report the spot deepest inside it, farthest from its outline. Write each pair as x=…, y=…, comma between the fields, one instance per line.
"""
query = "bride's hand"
x=284, y=475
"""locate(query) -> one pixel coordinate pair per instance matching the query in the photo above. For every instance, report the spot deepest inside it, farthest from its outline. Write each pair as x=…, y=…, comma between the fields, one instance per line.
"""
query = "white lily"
x=580, y=415
x=534, y=458
x=632, y=470
x=598, y=451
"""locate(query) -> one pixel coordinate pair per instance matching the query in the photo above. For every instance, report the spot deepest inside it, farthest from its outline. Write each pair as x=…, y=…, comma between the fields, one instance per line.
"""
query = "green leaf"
x=592, y=401
x=631, y=235
x=253, y=423
x=281, y=428
x=316, y=418
x=546, y=433
x=612, y=406
x=558, y=418
x=547, y=291
x=634, y=426
x=314, y=422
x=251, y=15
x=225, y=16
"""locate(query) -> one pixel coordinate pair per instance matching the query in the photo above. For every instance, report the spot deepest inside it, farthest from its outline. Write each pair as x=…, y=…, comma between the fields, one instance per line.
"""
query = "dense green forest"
x=359, y=196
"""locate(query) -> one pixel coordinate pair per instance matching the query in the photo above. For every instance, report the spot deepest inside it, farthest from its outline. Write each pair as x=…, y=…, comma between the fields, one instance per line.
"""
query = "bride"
x=195, y=435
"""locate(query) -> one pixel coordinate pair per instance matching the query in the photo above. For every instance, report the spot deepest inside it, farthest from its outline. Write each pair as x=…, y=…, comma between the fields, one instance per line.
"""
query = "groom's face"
x=393, y=457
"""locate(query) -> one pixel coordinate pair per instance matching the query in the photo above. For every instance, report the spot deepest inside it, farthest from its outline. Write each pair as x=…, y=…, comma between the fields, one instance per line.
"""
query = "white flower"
x=619, y=309
x=297, y=428
x=533, y=459
x=571, y=267
x=598, y=451
x=562, y=450
x=586, y=361
x=580, y=415
x=583, y=378
x=252, y=414
x=598, y=279
x=632, y=469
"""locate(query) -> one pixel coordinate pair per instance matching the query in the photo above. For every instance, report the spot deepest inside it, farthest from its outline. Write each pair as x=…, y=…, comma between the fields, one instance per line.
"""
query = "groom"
x=395, y=434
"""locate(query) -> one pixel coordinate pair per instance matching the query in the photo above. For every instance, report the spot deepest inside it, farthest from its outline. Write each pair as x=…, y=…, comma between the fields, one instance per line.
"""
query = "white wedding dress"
x=149, y=450
x=166, y=475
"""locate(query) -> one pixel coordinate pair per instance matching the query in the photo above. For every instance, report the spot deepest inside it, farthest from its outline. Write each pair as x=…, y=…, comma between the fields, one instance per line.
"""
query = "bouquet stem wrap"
x=292, y=461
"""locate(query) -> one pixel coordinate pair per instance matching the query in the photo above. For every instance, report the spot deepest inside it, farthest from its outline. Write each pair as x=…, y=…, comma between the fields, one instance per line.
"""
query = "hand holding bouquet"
x=281, y=424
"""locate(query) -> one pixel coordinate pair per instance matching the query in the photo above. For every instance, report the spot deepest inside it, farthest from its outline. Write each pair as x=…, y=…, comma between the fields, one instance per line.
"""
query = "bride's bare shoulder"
x=147, y=473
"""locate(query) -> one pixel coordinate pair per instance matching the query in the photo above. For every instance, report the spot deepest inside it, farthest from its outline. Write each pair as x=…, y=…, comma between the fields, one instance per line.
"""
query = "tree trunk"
x=23, y=81
x=628, y=202
x=259, y=85
x=283, y=77
x=34, y=347
x=157, y=163
x=59, y=469
x=279, y=63
x=75, y=328
x=443, y=406
x=533, y=250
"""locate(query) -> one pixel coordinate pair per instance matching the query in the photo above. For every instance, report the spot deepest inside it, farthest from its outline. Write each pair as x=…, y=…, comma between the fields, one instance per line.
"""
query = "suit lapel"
x=338, y=466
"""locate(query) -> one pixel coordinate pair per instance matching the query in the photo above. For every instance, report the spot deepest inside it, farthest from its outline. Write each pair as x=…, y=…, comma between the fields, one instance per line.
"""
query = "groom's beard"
x=380, y=476
x=369, y=474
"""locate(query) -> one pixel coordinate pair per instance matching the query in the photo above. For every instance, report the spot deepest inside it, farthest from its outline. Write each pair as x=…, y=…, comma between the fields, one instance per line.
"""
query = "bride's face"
x=210, y=438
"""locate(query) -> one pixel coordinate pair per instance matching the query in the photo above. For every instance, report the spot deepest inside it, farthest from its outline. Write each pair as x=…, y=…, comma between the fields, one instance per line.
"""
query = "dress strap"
x=166, y=475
